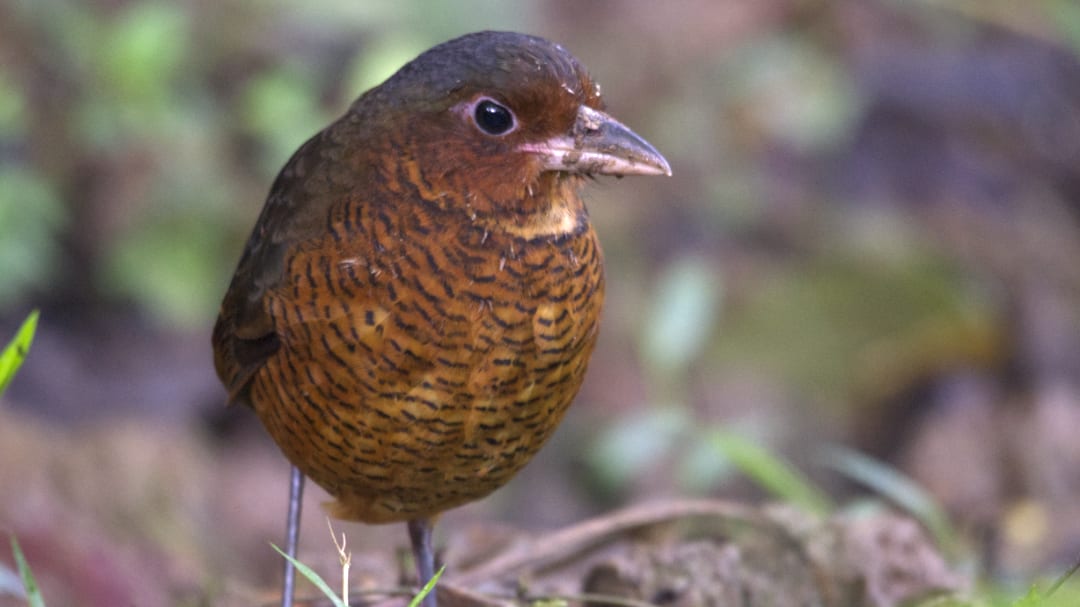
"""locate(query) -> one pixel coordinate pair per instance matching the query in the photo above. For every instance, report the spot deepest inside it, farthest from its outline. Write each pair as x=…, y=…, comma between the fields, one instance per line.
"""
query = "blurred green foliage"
x=12, y=107
x=1064, y=593
x=138, y=139
x=281, y=109
x=682, y=315
x=843, y=326
x=1066, y=14
x=795, y=90
x=31, y=216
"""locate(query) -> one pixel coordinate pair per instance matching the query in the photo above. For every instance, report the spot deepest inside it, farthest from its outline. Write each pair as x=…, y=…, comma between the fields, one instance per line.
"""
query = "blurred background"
x=871, y=239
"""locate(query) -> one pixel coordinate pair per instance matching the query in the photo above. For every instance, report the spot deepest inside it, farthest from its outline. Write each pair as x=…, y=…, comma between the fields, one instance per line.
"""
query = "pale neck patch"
x=557, y=220
x=564, y=215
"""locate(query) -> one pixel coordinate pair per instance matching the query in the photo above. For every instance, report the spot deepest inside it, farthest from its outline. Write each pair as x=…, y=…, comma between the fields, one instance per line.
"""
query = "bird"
x=417, y=303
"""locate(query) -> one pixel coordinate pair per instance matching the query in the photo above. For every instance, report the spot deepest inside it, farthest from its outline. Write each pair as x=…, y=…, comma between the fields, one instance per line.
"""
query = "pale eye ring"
x=492, y=117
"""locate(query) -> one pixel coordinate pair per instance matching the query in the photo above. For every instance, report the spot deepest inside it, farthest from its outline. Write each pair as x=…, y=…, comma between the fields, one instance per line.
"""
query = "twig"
x=345, y=558
x=579, y=538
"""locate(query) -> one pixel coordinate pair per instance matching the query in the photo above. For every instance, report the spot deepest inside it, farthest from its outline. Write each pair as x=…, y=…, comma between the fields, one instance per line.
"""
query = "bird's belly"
x=413, y=406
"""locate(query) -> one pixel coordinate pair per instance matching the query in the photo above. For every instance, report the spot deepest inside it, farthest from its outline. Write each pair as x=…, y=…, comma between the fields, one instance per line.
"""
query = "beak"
x=599, y=145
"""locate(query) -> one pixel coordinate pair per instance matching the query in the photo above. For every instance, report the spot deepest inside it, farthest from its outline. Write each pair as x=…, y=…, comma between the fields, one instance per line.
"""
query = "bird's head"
x=500, y=123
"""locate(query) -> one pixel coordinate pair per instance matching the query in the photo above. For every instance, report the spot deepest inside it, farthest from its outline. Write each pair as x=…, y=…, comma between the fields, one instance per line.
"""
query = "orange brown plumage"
x=416, y=306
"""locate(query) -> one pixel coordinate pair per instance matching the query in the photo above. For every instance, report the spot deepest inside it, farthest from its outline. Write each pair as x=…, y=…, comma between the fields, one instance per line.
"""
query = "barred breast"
x=424, y=359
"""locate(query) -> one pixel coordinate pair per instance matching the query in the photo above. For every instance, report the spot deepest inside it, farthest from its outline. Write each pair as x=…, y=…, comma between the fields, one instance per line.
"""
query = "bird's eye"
x=493, y=118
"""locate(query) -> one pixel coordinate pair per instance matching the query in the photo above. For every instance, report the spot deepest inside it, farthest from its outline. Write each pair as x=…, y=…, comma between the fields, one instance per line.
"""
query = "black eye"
x=492, y=118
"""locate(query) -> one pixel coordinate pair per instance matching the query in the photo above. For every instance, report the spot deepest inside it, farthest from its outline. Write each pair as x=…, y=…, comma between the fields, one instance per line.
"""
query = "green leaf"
x=313, y=578
x=771, y=472
x=381, y=58
x=144, y=49
x=13, y=355
x=797, y=90
x=1065, y=15
x=896, y=487
x=13, y=114
x=33, y=593
x=281, y=108
x=1033, y=598
x=681, y=318
x=31, y=215
x=699, y=469
x=166, y=266
x=635, y=442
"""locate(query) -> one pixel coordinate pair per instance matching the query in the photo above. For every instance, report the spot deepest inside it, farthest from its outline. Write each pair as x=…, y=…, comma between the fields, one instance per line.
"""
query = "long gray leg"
x=292, y=534
x=420, y=536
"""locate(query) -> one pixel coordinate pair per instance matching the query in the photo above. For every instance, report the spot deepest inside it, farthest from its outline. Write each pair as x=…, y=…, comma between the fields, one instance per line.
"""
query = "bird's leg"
x=420, y=536
x=292, y=534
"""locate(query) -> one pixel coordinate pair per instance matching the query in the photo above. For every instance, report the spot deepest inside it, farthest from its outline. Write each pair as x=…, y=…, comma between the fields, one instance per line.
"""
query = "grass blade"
x=13, y=355
x=33, y=593
x=896, y=487
x=313, y=578
x=772, y=473
x=428, y=588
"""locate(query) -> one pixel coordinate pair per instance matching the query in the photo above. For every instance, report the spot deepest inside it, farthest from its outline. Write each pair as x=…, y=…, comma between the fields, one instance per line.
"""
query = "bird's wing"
x=295, y=211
